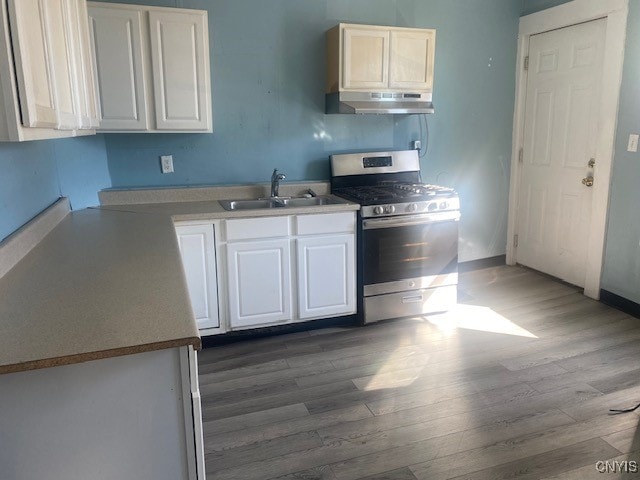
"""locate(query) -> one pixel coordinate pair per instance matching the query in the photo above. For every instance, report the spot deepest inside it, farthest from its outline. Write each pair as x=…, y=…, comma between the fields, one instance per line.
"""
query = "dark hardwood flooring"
x=517, y=383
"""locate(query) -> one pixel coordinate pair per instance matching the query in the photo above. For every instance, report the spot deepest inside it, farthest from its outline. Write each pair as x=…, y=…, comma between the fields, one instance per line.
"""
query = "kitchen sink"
x=282, y=202
x=249, y=204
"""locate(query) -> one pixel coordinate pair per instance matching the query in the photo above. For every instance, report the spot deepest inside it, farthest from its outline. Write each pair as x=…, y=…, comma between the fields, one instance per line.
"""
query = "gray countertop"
x=101, y=284
x=108, y=281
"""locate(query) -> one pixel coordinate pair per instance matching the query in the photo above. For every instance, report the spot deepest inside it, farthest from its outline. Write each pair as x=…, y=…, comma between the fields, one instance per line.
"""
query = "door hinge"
x=526, y=62
x=515, y=240
x=520, y=155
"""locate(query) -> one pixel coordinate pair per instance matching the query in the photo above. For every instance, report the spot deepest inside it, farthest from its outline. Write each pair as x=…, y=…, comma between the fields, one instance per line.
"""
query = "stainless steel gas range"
x=408, y=234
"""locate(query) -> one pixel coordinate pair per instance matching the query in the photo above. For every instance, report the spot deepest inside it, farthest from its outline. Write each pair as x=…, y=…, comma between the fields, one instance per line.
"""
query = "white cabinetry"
x=46, y=70
x=265, y=275
x=258, y=271
x=365, y=58
x=264, y=271
x=259, y=283
x=326, y=265
x=197, y=248
x=152, y=68
x=326, y=273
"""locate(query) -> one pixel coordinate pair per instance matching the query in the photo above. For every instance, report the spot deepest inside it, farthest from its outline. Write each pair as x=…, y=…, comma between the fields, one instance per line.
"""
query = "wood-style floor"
x=516, y=384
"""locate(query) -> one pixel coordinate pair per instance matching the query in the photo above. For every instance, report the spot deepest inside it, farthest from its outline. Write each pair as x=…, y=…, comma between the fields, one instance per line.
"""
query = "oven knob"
x=432, y=206
x=412, y=207
x=391, y=209
x=444, y=205
x=378, y=210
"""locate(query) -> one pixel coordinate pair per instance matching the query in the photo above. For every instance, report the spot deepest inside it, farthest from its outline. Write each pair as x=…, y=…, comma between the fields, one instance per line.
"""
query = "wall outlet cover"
x=166, y=163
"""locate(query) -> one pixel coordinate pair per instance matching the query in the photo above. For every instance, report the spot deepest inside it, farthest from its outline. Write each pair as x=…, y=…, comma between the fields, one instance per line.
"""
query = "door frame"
x=565, y=15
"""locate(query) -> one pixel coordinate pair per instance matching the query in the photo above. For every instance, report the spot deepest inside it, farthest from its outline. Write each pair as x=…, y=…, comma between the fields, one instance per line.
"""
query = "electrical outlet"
x=166, y=163
x=416, y=145
x=632, y=146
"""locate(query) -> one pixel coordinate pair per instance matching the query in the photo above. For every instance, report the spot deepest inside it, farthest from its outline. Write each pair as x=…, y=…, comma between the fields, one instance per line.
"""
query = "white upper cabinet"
x=179, y=54
x=46, y=71
x=411, y=58
x=152, y=68
x=365, y=58
x=116, y=35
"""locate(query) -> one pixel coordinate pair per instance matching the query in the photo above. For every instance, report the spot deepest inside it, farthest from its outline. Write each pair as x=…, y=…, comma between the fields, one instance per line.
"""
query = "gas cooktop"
x=393, y=192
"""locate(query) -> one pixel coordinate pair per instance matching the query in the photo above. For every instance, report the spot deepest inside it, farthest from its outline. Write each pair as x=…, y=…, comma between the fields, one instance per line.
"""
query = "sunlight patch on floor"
x=473, y=317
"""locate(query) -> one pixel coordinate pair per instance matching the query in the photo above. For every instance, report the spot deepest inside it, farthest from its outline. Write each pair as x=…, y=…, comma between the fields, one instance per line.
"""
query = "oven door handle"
x=409, y=220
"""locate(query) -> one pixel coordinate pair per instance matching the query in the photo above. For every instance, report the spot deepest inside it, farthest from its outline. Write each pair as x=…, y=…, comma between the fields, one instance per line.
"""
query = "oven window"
x=399, y=253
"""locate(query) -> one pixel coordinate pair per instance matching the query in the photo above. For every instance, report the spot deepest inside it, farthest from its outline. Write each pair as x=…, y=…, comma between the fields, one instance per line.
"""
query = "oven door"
x=410, y=252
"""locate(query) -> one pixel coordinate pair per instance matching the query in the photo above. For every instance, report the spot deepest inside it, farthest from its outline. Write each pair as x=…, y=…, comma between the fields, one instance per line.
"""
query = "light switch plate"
x=166, y=163
x=632, y=146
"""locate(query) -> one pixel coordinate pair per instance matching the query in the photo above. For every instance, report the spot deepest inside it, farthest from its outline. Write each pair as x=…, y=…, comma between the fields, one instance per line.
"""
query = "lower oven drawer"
x=406, y=304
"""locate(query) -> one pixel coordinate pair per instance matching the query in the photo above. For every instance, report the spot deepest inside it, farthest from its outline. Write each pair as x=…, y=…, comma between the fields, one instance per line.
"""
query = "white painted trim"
x=17, y=245
x=192, y=413
x=571, y=13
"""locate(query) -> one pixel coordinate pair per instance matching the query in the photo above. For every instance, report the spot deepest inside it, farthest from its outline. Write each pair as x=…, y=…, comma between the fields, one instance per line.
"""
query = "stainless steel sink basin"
x=249, y=204
x=262, y=203
x=309, y=202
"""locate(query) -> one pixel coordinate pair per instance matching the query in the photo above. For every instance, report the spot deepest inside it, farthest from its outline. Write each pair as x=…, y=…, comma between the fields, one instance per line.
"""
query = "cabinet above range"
x=379, y=69
x=152, y=68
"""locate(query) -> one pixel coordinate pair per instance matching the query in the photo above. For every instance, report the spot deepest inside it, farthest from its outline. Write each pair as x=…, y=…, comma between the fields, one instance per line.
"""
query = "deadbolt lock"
x=588, y=181
x=592, y=163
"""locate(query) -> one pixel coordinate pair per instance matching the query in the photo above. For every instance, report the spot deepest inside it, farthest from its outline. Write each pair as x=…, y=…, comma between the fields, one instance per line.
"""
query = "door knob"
x=588, y=181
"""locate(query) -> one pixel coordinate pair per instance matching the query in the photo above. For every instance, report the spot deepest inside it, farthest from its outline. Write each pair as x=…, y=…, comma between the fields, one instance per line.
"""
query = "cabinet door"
x=366, y=59
x=411, y=59
x=180, y=60
x=116, y=35
x=84, y=81
x=326, y=276
x=32, y=31
x=197, y=248
x=259, y=283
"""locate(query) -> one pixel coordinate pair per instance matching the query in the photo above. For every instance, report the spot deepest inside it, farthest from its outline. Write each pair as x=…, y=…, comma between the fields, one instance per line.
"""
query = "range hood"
x=378, y=103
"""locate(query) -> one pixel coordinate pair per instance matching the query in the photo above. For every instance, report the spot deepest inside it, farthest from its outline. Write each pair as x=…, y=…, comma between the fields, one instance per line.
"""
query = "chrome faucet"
x=275, y=182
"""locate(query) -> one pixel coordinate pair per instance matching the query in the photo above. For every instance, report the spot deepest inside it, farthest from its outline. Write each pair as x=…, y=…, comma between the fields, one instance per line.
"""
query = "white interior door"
x=560, y=135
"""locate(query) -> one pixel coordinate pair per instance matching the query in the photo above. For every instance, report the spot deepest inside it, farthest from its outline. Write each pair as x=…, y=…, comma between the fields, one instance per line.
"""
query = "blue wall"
x=268, y=78
x=268, y=71
x=36, y=174
x=622, y=259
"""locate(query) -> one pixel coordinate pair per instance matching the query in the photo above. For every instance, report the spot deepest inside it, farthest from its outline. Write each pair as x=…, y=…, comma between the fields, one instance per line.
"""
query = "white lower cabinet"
x=326, y=276
x=198, y=252
x=259, y=283
x=265, y=271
